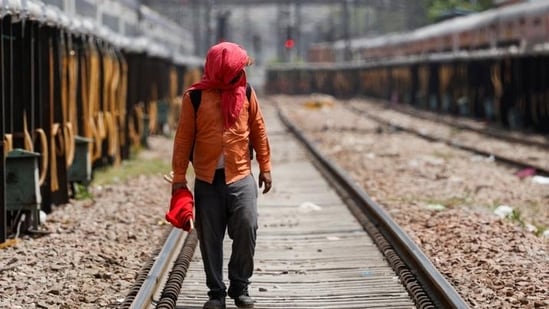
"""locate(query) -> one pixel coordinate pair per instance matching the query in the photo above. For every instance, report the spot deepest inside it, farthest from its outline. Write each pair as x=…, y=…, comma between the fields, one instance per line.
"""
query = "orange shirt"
x=212, y=139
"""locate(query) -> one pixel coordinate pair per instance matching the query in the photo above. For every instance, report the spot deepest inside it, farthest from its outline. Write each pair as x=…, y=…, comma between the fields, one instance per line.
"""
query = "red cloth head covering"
x=181, y=209
x=225, y=62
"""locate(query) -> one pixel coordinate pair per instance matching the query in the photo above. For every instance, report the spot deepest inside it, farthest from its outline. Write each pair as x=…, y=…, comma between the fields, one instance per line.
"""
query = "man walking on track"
x=216, y=132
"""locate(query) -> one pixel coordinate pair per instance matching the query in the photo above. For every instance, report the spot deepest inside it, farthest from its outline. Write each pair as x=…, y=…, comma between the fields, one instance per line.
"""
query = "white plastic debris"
x=43, y=217
x=309, y=206
x=546, y=233
x=540, y=180
x=436, y=207
x=503, y=211
x=531, y=228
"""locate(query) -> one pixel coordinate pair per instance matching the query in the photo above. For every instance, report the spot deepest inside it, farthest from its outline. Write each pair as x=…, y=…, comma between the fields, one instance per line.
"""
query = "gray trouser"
x=233, y=207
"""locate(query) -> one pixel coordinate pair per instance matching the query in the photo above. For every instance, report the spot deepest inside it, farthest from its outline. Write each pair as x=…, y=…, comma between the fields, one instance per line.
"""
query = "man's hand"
x=265, y=178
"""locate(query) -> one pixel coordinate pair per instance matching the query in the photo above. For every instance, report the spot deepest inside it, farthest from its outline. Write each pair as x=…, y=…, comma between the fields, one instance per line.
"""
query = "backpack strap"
x=248, y=91
x=248, y=95
x=196, y=97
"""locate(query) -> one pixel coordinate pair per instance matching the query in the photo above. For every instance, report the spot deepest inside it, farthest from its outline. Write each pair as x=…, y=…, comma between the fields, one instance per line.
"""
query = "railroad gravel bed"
x=445, y=199
x=533, y=154
x=94, y=249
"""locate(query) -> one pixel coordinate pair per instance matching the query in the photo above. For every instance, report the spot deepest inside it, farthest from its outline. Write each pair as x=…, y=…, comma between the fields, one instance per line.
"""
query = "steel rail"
x=171, y=247
x=437, y=288
x=454, y=122
x=172, y=288
x=540, y=170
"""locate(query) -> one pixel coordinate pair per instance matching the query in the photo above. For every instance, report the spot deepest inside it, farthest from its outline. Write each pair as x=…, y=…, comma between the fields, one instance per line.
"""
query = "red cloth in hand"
x=181, y=209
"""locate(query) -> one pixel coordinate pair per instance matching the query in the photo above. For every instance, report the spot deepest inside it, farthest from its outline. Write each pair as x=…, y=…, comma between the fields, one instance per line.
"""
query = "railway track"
x=540, y=169
x=323, y=243
x=160, y=279
x=463, y=123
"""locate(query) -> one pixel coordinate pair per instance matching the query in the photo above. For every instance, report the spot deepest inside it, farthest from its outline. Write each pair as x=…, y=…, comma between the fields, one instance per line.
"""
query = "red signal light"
x=289, y=43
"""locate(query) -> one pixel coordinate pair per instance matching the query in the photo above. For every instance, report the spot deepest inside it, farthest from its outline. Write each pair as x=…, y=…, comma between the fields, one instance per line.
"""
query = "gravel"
x=93, y=249
x=444, y=198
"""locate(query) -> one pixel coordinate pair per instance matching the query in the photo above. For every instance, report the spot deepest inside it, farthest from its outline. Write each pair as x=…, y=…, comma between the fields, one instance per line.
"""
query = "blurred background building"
x=264, y=26
x=271, y=30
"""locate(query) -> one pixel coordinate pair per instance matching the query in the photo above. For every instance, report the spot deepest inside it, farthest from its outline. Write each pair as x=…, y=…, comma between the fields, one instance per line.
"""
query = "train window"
x=522, y=21
x=537, y=21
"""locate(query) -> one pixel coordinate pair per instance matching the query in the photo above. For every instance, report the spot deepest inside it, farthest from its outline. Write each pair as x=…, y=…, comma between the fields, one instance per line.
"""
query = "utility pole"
x=222, y=26
x=281, y=24
x=197, y=27
x=207, y=18
x=298, y=26
x=346, y=31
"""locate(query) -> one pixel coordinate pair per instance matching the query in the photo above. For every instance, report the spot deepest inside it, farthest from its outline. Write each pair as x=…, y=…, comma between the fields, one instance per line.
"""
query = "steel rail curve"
x=177, y=243
x=172, y=288
x=489, y=131
x=540, y=170
x=406, y=258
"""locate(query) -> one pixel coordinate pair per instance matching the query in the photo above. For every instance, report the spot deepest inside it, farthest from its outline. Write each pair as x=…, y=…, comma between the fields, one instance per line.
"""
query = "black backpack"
x=196, y=98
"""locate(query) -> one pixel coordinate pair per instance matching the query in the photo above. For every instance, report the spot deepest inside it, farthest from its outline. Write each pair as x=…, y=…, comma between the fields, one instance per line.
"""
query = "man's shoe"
x=244, y=301
x=215, y=303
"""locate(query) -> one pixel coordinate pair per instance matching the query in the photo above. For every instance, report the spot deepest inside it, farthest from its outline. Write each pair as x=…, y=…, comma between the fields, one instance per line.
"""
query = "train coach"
x=491, y=65
x=78, y=94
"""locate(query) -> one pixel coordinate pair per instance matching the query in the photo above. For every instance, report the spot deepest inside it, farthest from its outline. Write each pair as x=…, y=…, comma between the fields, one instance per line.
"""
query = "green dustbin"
x=22, y=183
x=81, y=168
